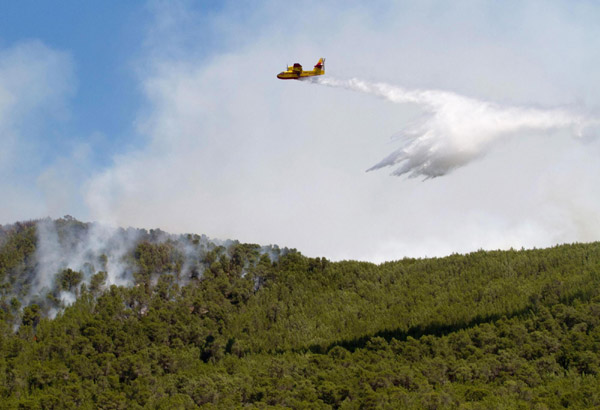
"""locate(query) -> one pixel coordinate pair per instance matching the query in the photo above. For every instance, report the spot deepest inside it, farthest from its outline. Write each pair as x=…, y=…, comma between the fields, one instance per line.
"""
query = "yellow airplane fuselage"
x=295, y=72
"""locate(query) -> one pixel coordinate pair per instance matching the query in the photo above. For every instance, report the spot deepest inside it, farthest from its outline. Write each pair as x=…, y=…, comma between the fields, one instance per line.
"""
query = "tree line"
x=241, y=328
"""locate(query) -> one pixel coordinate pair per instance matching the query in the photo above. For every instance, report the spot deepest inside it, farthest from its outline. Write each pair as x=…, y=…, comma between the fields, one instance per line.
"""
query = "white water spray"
x=457, y=129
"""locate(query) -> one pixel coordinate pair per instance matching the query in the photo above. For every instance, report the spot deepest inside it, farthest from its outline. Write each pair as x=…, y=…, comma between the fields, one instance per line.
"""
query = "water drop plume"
x=456, y=129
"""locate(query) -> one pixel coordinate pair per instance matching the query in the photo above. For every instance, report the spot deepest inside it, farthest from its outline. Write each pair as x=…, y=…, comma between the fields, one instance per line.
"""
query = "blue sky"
x=101, y=39
x=168, y=114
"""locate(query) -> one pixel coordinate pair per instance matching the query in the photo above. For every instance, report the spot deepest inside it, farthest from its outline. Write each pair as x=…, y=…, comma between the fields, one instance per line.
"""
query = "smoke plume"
x=86, y=248
x=90, y=248
x=455, y=129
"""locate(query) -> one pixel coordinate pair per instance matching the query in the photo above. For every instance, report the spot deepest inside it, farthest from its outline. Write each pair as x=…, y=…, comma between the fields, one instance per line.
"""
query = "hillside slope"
x=196, y=323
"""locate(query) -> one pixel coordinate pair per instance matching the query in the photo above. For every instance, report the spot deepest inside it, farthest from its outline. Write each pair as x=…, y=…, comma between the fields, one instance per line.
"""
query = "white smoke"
x=91, y=247
x=49, y=256
x=87, y=250
x=456, y=129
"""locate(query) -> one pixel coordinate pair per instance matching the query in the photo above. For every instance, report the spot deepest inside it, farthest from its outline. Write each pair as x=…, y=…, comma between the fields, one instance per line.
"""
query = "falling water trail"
x=458, y=129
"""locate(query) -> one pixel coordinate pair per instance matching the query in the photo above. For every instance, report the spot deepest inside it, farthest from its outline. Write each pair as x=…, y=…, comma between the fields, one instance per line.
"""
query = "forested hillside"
x=126, y=319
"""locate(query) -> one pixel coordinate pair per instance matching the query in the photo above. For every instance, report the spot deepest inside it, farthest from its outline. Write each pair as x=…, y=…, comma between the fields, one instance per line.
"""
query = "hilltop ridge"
x=195, y=323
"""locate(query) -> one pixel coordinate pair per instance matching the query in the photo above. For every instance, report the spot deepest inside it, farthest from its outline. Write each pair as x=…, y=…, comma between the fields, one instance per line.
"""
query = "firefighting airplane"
x=295, y=72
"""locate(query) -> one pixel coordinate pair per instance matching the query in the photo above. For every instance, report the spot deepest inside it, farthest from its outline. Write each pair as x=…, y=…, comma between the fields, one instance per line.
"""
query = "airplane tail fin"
x=320, y=66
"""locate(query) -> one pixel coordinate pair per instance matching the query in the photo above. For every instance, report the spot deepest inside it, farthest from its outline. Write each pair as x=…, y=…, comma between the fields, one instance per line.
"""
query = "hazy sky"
x=169, y=115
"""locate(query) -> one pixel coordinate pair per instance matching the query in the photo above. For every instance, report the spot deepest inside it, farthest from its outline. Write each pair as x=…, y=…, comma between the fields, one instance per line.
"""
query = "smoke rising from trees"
x=69, y=254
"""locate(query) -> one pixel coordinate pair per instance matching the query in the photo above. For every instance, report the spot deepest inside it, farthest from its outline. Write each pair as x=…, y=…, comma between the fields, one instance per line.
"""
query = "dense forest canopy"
x=95, y=317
